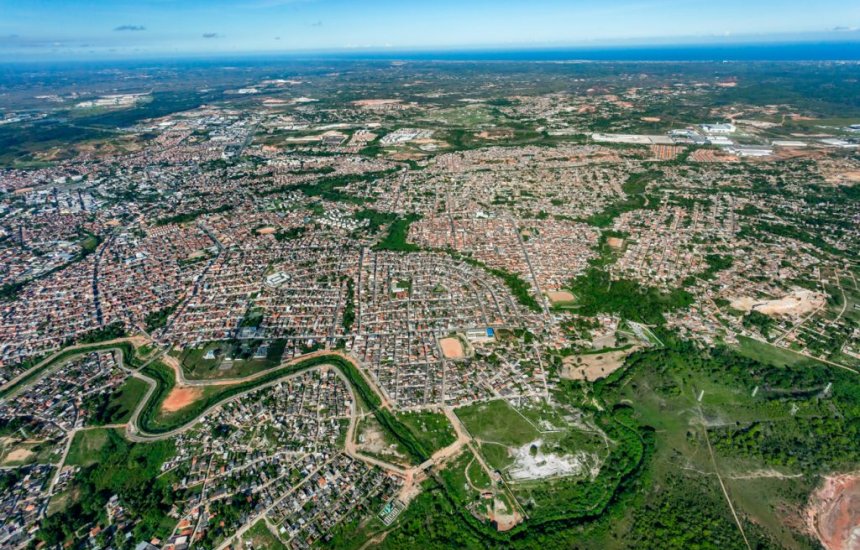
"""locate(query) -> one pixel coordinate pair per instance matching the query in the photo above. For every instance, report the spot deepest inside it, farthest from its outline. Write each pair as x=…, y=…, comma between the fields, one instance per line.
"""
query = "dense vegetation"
x=398, y=231
x=157, y=319
x=635, y=199
x=117, y=467
x=596, y=292
x=349, y=305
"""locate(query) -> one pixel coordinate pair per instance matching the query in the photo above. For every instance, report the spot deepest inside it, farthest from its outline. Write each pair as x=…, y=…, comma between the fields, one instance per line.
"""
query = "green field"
x=432, y=429
x=117, y=406
x=110, y=465
x=86, y=448
x=259, y=536
x=497, y=422
x=772, y=355
x=196, y=367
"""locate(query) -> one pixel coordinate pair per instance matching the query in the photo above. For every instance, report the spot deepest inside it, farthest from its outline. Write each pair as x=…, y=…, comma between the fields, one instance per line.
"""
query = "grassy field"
x=497, y=422
x=117, y=407
x=87, y=447
x=432, y=429
x=768, y=479
x=499, y=428
x=244, y=364
x=17, y=452
x=772, y=355
x=259, y=536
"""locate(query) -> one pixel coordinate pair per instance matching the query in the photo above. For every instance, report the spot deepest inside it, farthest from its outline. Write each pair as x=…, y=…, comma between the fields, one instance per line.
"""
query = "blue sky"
x=123, y=28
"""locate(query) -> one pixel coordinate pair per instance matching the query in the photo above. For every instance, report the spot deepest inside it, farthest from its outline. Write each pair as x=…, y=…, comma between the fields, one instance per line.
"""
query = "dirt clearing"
x=18, y=455
x=833, y=514
x=560, y=296
x=179, y=398
x=594, y=366
x=615, y=242
x=799, y=302
x=452, y=348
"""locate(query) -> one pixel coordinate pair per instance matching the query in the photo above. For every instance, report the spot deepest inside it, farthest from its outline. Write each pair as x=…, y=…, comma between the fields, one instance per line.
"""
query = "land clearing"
x=531, y=463
x=452, y=348
x=266, y=231
x=18, y=455
x=833, y=514
x=370, y=103
x=181, y=397
x=798, y=302
x=560, y=296
x=594, y=366
x=615, y=242
x=372, y=441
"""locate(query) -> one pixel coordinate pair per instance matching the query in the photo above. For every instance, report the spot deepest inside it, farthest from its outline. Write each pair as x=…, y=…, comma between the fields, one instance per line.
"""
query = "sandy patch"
x=376, y=102
x=712, y=155
x=560, y=296
x=852, y=176
x=452, y=348
x=18, y=455
x=833, y=514
x=266, y=231
x=594, y=366
x=181, y=397
x=798, y=302
x=615, y=242
x=497, y=133
x=372, y=441
x=504, y=520
x=651, y=119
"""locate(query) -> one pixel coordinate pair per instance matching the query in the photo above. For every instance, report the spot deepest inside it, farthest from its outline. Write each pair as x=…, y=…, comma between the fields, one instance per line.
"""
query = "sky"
x=48, y=29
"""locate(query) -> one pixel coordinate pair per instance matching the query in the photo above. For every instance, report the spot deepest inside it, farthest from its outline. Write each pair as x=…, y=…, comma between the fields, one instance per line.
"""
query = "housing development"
x=354, y=304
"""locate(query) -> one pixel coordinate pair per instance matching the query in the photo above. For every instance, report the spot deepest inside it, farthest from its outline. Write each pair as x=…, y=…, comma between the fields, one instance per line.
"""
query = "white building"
x=720, y=129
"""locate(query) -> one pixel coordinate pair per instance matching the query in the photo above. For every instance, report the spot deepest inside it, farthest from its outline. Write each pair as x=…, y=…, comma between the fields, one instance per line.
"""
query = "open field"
x=179, y=398
x=797, y=303
x=229, y=359
x=452, y=348
x=259, y=536
x=560, y=297
x=86, y=447
x=593, y=366
x=431, y=428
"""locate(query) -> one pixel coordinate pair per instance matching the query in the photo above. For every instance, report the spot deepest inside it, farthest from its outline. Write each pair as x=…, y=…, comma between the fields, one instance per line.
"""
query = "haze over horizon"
x=94, y=29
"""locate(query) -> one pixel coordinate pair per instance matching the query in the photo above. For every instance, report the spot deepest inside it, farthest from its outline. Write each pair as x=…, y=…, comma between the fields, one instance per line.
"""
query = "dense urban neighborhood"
x=425, y=305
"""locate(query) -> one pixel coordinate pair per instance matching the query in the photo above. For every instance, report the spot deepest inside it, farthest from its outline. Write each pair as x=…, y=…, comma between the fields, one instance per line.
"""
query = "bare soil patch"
x=594, y=366
x=560, y=296
x=181, y=397
x=266, y=231
x=505, y=520
x=376, y=102
x=615, y=242
x=18, y=455
x=833, y=514
x=799, y=302
x=452, y=348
